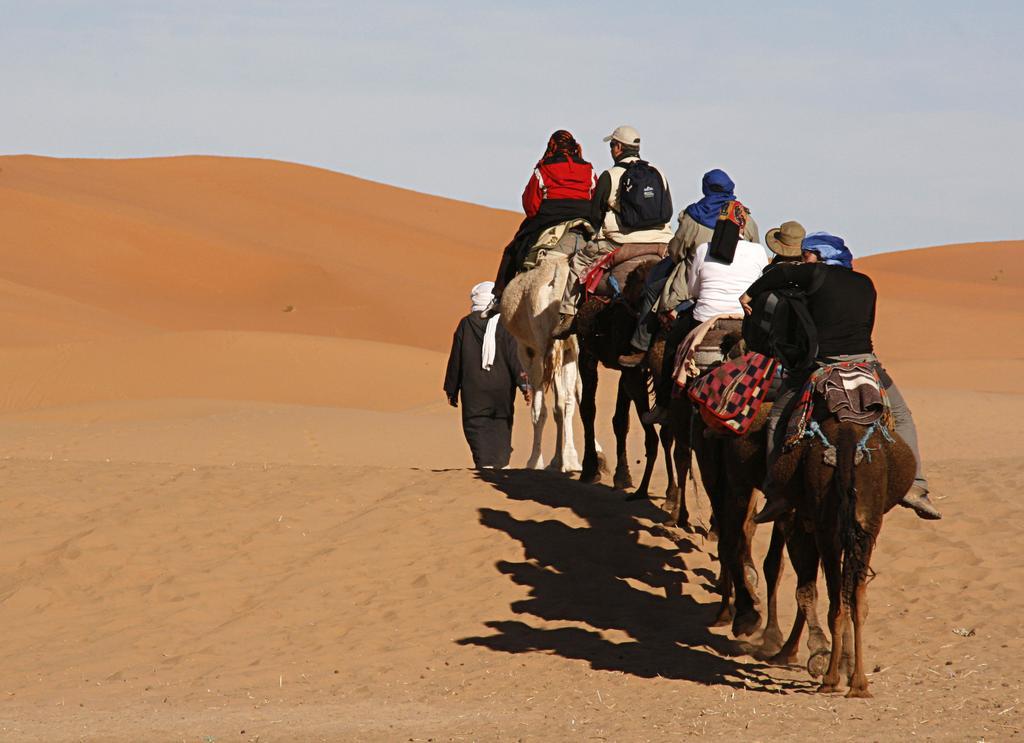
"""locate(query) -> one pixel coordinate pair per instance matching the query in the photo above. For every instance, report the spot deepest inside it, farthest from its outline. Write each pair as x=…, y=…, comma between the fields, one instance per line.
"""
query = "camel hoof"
x=828, y=689
x=590, y=478
x=622, y=482
x=817, y=664
x=746, y=623
x=771, y=638
x=750, y=573
x=784, y=658
x=723, y=618
x=858, y=694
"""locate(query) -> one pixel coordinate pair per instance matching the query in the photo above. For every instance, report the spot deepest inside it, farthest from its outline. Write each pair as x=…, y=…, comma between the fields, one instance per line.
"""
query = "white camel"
x=529, y=310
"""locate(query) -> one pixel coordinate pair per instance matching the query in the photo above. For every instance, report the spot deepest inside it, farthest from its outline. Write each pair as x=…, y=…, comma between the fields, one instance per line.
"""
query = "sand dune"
x=237, y=508
x=215, y=243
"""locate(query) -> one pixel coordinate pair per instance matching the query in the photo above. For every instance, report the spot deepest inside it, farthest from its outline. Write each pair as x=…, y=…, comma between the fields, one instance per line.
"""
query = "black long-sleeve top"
x=484, y=393
x=599, y=199
x=842, y=307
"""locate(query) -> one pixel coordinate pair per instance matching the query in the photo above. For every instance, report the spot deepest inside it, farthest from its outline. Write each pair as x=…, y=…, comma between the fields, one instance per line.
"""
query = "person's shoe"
x=773, y=508
x=656, y=415
x=630, y=360
x=564, y=328
x=917, y=499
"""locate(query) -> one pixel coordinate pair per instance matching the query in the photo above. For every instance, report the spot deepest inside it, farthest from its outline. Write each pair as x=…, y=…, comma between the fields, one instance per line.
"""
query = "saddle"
x=702, y=348
x=558, y=240
x=607, y=277
x=850, y=391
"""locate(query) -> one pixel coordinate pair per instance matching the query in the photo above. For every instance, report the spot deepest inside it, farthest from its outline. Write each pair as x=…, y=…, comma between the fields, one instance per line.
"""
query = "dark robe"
x=487, y=396
x=552, y=212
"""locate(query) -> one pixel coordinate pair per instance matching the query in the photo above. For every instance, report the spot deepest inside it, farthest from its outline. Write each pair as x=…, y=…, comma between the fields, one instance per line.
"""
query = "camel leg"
x=588, y=412
x=650, y=446
x=773, y=567
x=803, y=553
x=635, y=384
x=747, y=619
x=681, y=454
x=565, y=390
x=725, y=611
x=667, y=436
x=859, y=679
x=830, y=560
x=538, y=410
x=557, y=461
x=620, y=424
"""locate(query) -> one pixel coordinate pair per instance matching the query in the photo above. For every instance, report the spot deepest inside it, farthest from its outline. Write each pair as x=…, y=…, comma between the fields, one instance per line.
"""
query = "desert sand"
x=237, y=507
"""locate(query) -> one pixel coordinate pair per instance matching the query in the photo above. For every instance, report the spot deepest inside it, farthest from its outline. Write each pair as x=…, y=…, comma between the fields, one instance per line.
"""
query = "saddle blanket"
x=851, y=391
x=689, y=361
x=729, y=396
x=592, y=279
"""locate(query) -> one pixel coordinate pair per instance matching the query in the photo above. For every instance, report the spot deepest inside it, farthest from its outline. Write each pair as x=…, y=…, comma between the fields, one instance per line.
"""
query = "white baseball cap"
x=625, y=135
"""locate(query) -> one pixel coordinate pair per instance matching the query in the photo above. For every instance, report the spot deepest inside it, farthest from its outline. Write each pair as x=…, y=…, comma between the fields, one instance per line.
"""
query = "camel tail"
x=552, y=363
x=856, y=542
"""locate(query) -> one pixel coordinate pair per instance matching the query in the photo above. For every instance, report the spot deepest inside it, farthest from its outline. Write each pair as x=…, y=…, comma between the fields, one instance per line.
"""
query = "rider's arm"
x=532, y=196
x=686, y=239
x=784, y=274
x=693, y=274
x=599, y=202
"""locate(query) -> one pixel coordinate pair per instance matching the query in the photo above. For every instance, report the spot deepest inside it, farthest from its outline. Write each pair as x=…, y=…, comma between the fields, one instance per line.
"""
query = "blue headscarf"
x=830, y=249
x=718, y=191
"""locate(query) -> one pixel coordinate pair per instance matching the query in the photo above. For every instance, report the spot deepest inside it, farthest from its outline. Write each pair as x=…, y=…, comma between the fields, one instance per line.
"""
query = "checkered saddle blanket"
x=729, y=396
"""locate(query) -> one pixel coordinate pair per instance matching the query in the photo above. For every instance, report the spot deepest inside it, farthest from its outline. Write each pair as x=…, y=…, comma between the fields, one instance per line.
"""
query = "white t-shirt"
x=717, y=287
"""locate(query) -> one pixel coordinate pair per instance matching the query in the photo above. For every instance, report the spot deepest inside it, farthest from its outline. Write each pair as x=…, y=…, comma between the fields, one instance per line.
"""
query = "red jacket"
x=558, y=178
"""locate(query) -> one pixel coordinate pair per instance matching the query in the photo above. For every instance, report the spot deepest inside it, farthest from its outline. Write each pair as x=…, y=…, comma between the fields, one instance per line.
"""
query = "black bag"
x=780, y=325
x=644, y=200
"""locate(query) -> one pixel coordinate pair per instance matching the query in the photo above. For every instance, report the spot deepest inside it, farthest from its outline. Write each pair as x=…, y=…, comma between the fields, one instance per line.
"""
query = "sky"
x=894, y=124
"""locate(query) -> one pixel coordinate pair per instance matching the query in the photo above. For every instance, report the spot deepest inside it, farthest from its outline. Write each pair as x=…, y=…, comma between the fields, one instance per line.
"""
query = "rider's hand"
x=452, y=401
x=745, y=301
x=527, y=394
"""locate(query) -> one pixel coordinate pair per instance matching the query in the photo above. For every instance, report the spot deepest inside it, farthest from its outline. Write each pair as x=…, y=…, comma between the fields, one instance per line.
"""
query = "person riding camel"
x=559, y=192
x=719, y=272
x=841, y=303
x=667, y=286
x=637, y=216
x=785, y=242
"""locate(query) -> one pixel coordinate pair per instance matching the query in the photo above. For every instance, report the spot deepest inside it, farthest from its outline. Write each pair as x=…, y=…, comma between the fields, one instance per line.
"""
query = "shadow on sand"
x=587, y=575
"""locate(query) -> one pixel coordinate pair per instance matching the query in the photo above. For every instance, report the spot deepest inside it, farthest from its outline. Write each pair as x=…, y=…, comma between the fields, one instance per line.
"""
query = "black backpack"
x=644, y=200
x=780, y=325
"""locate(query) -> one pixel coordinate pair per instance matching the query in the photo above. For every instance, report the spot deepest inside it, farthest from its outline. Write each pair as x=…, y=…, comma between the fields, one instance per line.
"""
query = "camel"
x=839, y=512
x=604, y=330
x=529, y=311
x=731, y=468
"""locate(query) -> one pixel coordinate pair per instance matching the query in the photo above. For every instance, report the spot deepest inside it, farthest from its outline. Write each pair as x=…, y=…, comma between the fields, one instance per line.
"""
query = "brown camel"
x=838, y=517
x=604, y=329
x=731, y=468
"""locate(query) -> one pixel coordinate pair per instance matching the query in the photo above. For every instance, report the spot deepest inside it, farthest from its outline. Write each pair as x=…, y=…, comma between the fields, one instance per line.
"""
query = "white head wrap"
x=482, y=296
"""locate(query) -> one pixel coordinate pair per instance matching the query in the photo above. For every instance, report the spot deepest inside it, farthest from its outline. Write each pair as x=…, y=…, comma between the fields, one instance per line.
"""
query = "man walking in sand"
x=484, y=369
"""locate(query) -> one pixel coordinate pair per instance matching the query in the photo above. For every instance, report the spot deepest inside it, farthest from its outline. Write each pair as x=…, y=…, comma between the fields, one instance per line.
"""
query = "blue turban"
x=718, y=191
x=830, y=249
